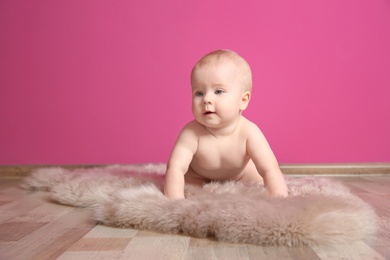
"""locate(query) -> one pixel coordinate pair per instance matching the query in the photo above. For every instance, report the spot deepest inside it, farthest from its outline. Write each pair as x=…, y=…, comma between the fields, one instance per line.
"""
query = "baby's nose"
x=207, y=99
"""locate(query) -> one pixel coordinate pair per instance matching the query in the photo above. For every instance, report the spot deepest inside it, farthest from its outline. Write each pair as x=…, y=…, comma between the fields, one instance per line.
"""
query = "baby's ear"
x=245, y=100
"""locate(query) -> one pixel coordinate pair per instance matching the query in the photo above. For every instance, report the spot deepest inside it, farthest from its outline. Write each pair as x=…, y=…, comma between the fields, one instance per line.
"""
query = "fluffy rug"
x=317, y=212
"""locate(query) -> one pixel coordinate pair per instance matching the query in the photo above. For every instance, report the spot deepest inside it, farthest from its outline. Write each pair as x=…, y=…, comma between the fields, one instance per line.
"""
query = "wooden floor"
x=31, y=227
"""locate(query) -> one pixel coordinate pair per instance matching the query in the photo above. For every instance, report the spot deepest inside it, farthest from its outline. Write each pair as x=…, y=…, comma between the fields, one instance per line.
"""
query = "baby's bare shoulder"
x=249, y=128
x=192, y=129
x=193, y=126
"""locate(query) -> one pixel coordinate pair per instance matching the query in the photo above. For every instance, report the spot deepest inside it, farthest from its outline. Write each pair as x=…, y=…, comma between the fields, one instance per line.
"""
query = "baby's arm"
x=266, y=163
x=179, y=163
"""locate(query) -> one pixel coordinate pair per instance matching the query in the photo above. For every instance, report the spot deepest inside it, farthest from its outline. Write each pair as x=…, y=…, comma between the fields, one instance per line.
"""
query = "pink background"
x=107, y=81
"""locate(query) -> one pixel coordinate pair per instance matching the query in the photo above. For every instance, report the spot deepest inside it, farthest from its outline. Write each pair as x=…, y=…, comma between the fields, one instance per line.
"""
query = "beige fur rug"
x=317, y=211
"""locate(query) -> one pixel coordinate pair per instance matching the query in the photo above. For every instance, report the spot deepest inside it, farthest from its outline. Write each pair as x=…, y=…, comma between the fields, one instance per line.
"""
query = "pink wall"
x=107, y=81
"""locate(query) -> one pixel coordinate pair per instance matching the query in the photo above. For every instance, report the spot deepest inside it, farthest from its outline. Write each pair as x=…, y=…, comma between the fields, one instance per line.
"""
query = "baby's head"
x=221, y=84
x=221, y=57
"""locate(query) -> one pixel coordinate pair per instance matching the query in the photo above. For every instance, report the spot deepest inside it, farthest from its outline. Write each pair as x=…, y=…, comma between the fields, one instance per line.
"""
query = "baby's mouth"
x=208, y=113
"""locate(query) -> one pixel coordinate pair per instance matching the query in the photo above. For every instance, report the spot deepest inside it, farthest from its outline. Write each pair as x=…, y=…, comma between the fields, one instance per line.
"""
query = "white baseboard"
x=289, y=169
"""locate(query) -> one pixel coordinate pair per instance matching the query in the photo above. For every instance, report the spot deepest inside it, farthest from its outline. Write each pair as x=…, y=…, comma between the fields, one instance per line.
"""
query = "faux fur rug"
x=317, y=212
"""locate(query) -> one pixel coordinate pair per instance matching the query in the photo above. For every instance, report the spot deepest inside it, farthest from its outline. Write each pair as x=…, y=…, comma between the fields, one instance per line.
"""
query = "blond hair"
x=222, y=56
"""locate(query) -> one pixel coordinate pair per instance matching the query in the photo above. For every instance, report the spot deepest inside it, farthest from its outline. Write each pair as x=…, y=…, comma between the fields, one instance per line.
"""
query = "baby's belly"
x=216, y=173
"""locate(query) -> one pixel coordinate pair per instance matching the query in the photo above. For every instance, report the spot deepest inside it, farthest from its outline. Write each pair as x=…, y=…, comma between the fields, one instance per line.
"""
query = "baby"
x=221, y=144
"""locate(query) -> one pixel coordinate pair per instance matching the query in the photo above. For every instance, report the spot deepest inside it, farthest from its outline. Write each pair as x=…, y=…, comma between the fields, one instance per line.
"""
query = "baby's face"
x=217, y=94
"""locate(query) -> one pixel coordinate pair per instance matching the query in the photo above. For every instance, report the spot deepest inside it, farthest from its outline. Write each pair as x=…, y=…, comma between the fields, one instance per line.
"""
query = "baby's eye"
x=219, y=92
x=199, y=93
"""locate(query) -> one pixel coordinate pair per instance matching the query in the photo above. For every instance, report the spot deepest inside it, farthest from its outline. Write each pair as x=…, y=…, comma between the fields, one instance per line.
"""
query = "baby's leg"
x=251, y=175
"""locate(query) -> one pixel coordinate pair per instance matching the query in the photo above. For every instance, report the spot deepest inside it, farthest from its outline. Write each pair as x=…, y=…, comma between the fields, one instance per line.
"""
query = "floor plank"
x=52, y=239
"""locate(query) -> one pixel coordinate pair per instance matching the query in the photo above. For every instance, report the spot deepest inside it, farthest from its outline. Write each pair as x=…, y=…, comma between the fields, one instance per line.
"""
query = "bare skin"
x=221, y=144
x=220, y=159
